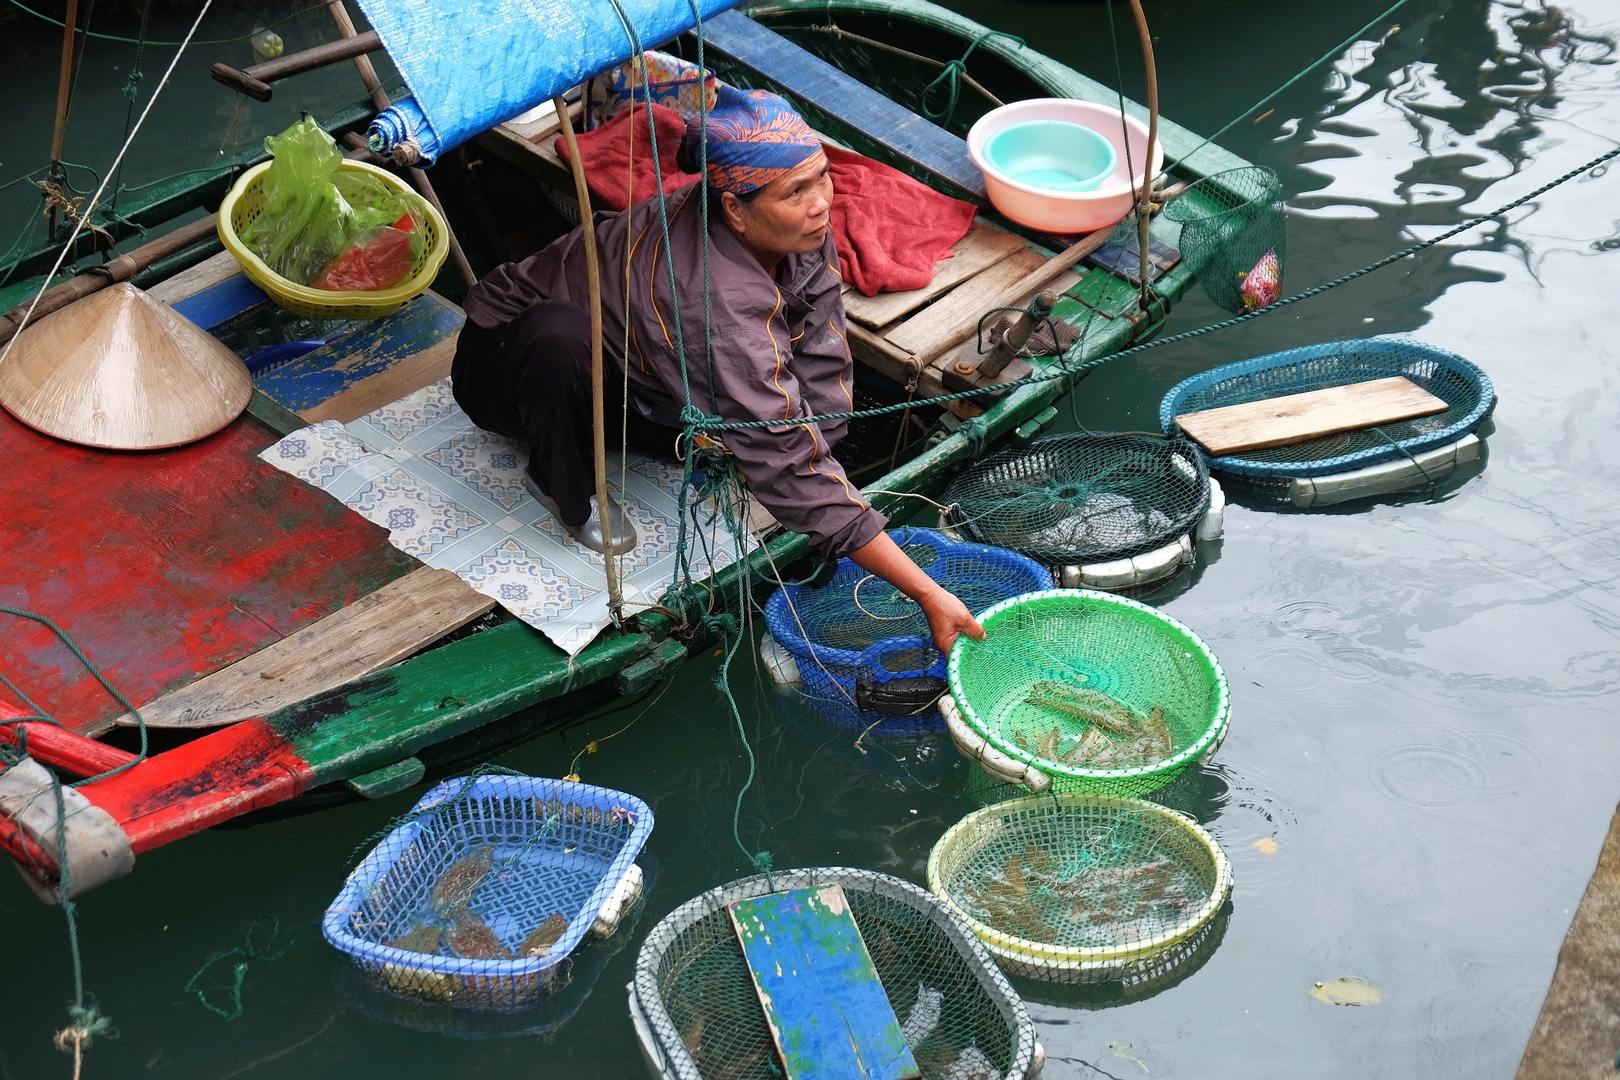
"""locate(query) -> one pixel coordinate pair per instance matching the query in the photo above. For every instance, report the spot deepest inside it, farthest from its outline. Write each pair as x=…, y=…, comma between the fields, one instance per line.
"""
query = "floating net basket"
x=863, y=647
x=1076, y=888
x=1465, y=389
x=1079, y=498
x=1101, y=692
x=698, y=1015
x=477, y=901
x=1229, y=221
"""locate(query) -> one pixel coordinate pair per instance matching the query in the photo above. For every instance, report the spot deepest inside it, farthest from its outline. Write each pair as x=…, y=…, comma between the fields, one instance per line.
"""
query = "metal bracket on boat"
x=1001, y=364
x=97, y=848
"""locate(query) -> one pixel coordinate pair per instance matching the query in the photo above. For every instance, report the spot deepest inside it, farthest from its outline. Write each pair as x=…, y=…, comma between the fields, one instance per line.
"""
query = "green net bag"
x=1079, y=888
x=1097, y=691
x=1234, y=235
x=1079, y=497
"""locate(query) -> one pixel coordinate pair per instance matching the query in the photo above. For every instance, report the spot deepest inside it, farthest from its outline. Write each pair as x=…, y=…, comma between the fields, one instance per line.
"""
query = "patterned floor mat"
x=452, y=495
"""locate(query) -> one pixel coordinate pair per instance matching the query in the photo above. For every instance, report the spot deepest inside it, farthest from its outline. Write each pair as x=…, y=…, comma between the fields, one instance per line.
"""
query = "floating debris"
x=1266, y=846
x=1127, y=1052
x=543, y=937
x=455, y=887
x=1347, y=990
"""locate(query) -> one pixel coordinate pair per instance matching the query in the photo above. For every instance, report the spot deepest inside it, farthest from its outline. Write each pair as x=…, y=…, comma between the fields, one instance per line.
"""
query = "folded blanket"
x=606, y=155
x=890, y=229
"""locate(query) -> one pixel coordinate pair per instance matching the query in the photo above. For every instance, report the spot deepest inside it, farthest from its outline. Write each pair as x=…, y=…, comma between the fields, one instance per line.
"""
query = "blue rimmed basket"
x=863, y=648
x=1465, y=389
x=559, y=848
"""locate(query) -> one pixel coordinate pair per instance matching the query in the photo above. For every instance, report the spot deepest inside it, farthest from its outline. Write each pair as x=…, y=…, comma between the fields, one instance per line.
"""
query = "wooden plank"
x=827, y=1011
x=389, y=385
x=320, y=376
x=817, y=84
x=923, y=332
x=204, y=275
x=371, y=633
x=881, y=356
x=982, y=247
x=1294, y=418
x=1579, y=1023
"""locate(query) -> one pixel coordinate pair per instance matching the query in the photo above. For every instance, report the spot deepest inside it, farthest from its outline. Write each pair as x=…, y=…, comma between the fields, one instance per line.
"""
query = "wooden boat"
x=377, y=683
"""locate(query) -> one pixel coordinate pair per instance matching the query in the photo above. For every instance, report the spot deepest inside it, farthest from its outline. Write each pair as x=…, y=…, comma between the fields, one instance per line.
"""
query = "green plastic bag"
x=313, y=214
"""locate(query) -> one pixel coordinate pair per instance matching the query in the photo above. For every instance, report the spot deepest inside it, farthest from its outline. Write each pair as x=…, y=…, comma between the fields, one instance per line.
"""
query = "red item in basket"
x=375, y=261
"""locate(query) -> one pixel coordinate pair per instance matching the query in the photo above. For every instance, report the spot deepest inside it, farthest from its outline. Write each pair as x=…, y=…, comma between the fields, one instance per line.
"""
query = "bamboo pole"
x=1144, y=204
x=593, y=275
x=379, y=98
x=63, y=88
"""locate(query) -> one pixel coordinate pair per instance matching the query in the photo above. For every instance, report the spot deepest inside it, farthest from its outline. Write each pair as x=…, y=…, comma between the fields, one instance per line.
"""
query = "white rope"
x=112, y=170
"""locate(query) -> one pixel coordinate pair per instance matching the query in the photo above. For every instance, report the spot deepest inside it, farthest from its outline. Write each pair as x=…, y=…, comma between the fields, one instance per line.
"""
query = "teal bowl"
x=1052, y=155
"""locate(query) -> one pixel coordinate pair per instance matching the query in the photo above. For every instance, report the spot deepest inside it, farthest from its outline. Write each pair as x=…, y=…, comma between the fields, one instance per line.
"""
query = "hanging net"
x=1103, y=693
x=1234, y=235
x=1078, y=498
x=863, y=646
x=1076, y=888
x=478, y=899
x=1466, y=390
x=698, y=1014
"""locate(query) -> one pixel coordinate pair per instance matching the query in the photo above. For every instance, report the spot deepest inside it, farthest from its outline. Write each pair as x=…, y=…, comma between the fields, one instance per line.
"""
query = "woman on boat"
x=774, y=347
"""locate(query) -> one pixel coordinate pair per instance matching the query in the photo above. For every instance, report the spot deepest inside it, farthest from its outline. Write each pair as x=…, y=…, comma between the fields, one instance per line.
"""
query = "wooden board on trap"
x=1293, y=418
x=828, y=1013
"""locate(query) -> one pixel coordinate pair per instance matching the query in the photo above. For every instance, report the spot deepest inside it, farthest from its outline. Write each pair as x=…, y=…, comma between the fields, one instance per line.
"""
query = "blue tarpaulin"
x=472, y=64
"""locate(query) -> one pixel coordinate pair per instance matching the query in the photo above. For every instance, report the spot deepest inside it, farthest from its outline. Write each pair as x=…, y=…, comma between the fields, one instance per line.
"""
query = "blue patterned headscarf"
x=754, y=137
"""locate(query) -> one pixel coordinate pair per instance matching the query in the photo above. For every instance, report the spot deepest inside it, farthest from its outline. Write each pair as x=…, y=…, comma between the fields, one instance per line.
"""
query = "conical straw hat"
x=119, y=370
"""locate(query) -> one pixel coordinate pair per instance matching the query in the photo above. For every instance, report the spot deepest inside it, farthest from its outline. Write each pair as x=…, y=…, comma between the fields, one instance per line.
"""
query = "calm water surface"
x=1422, y=689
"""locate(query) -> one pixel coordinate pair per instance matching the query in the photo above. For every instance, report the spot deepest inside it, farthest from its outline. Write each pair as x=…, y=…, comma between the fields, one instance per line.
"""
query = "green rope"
x=1314, y=64
x=951, y=79
x=714, y=424
x=131, y=92
x=242, y=955
x=134, y=41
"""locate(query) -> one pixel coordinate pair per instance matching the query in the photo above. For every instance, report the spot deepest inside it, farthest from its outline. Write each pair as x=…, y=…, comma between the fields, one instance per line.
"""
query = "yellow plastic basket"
x=245, y=202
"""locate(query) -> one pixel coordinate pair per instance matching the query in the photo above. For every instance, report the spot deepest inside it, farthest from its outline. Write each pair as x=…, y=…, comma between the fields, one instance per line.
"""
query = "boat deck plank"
x=983, y=247
x=376, y=630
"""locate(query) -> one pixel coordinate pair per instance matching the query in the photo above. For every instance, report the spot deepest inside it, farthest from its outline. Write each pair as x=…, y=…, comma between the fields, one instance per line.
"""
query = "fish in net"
x=1234, y=235
x=1077, y=497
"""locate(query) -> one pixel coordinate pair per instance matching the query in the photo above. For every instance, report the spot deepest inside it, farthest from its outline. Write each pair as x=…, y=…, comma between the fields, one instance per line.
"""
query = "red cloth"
x=605, y=150
x=890, y=229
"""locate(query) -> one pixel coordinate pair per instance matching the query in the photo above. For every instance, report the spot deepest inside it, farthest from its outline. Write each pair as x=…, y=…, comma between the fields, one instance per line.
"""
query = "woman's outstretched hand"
x=949, y=618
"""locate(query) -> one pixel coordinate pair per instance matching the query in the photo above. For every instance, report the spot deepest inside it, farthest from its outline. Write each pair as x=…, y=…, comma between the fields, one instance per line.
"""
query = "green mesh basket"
x=1078, y=888
x=1103, y=693
x=1079, y=497
x=1228, y=223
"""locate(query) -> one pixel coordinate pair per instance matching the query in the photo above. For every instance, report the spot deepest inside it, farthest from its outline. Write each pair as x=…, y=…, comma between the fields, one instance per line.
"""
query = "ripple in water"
x=1321, y=674
x=1455, y=767
x=1313, y=618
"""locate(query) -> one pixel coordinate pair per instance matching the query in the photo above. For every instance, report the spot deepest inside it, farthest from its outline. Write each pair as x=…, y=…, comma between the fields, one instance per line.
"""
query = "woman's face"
x=789, y=215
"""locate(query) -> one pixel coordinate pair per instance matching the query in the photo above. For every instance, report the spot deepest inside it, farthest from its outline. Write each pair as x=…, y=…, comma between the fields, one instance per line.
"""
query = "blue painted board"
x=826, y=1008
x=816, y=83
x=219, y=302
x=335, y=367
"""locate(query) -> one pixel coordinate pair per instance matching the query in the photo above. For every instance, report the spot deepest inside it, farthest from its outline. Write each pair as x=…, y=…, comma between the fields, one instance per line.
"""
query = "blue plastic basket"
x=1466, y=390
x=560, y=848
x=849, y=657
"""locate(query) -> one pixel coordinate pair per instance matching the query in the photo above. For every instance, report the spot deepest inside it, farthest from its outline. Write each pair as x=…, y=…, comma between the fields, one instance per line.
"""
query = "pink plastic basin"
x=1065, y=212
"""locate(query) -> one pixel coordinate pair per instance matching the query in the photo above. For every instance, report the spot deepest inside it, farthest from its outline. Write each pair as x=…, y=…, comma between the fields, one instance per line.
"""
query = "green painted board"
x=826, y=1009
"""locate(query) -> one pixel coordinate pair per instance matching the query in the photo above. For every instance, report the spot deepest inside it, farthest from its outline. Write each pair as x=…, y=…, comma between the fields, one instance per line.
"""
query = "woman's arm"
x=947, y=616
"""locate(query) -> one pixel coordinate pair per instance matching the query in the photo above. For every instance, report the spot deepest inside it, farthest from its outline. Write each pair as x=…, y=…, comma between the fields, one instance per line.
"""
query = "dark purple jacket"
x=779, y=349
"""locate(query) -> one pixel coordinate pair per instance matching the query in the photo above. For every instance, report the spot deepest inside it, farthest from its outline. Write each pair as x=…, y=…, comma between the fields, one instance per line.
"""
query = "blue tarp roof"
x=472, y=64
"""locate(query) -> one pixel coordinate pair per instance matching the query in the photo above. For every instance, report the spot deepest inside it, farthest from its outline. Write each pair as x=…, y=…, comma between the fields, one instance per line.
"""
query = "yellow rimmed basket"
x=245, y=201
x=1081, y=888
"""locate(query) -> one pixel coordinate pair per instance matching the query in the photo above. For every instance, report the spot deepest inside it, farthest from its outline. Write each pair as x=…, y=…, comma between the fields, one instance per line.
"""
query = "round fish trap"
x=1079, y=887
x=1230, y=222
x=477, y=901
x=863, y=647
x=1078, y=498
x=698, y=1015
x=1466, y=390
x=1101, y=692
